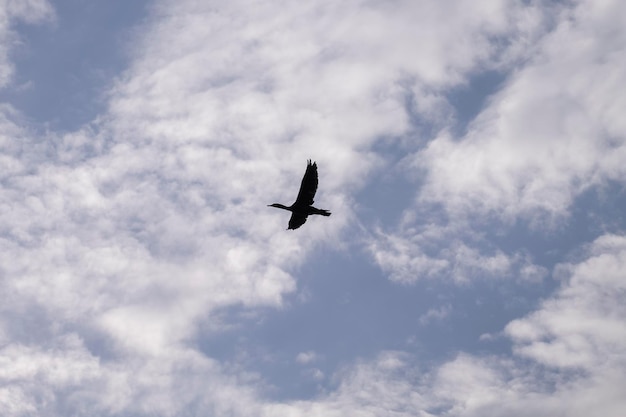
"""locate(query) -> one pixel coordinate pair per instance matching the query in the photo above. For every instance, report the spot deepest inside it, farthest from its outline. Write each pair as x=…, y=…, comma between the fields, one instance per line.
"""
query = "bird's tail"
x=323, y=212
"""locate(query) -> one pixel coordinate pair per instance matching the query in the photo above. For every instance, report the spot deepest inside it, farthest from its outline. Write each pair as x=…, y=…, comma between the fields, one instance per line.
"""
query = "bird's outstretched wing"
x=308, y=186
x=296, y=220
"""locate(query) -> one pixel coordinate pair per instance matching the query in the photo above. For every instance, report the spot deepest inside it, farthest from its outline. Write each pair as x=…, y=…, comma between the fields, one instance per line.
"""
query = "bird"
x=303, y=206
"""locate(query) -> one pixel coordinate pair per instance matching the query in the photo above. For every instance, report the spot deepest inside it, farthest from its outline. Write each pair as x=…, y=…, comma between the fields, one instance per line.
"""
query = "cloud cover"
x=552, y=132
x=120, y=238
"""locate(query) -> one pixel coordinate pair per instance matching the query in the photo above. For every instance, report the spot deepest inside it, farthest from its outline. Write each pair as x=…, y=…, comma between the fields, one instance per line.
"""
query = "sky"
x=473, y=156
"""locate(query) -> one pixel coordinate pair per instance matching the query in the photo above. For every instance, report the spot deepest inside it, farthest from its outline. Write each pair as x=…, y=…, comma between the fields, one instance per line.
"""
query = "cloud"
x=582, y=327
x=448, y=252
x=29, y=11
x=435, y=314
x=63, y=376
x=579, y=329
x=549, y=134
x=306, y=357
x=568, y=359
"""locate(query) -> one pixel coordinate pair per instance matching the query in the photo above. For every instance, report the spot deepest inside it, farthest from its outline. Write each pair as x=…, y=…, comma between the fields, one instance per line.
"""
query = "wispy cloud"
x=435, y=314
x=306, y=357
x=29, y=11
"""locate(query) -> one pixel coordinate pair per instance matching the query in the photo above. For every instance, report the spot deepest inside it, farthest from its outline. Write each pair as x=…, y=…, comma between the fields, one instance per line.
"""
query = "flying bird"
x=303, y=205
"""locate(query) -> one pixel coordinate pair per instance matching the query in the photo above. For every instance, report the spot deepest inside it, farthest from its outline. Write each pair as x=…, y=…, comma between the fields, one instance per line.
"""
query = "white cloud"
x=31, y=376
x=371, y=388
x=584, y=326
x=450, y=253
x=553, y=131
x=435, y=314
x=306, y=357
x=29, y=11
x=569, y=360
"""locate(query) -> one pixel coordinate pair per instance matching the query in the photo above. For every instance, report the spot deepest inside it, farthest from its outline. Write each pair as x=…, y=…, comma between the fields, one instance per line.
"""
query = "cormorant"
x=303, y=206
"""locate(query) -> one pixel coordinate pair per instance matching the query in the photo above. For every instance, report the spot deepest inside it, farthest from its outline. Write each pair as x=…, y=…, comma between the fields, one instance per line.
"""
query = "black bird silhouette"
x=303, y=206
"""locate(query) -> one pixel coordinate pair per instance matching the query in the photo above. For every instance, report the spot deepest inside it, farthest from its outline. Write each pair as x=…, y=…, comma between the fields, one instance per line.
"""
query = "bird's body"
x=303, y=206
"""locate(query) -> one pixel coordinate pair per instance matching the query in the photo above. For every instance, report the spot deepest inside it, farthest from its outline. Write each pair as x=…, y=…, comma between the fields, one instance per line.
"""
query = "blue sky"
x=472, y=155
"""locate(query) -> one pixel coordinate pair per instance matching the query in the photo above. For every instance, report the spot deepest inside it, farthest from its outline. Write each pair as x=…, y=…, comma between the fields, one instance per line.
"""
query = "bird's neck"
x=278, y=205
